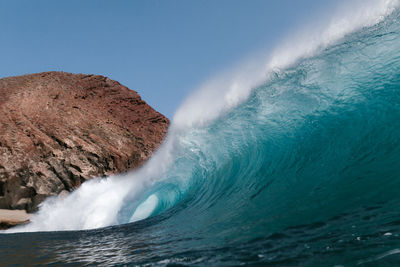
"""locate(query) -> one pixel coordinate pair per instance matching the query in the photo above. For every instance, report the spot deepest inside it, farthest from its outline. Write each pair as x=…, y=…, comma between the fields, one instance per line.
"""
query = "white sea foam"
x=97, y=203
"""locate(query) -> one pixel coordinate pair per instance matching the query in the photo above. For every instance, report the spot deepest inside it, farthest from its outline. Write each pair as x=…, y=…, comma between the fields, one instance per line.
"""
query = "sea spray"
x=227, y=90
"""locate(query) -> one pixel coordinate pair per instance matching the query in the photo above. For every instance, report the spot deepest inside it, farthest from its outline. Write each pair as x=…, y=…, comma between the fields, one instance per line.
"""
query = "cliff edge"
x=59, y=129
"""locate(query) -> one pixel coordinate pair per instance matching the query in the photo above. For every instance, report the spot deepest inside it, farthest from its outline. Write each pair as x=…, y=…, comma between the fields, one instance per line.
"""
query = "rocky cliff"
x=59, y=129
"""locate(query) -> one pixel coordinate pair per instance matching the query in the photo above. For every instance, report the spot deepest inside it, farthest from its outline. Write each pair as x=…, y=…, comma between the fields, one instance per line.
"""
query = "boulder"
x=10, y=218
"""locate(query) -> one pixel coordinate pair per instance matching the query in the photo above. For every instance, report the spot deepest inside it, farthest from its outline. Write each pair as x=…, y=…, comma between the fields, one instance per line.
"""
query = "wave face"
x=302, y=169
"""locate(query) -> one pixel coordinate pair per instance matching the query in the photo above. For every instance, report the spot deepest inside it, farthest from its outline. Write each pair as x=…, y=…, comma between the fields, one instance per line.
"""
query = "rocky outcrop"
x=59, y=129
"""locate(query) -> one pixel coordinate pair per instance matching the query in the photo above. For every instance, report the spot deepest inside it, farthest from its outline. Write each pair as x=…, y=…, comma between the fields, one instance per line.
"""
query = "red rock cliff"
x=59, y=129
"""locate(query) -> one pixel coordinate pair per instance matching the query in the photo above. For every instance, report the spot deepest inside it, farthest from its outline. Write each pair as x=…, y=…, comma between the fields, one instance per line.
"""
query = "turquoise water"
x=304, y=172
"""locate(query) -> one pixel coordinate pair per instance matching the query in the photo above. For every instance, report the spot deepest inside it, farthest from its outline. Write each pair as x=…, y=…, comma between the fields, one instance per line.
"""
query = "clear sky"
x=162, y=49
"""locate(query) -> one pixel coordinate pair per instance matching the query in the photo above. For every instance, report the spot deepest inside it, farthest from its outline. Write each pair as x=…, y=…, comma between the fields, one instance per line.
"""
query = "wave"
x=304, y=133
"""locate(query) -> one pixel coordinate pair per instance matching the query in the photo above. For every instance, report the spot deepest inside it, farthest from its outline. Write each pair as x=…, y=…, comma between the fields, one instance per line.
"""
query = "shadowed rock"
x=59, y=129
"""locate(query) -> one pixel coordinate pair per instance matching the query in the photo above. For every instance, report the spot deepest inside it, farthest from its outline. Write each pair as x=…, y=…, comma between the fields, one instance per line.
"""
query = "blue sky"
x=162, y=49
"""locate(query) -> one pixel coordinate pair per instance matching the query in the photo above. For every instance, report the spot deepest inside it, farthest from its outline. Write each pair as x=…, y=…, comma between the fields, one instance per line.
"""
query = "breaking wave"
x=290, y=158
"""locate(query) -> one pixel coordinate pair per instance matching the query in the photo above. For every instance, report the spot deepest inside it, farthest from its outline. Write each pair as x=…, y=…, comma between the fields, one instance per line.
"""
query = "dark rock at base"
x=59, y=129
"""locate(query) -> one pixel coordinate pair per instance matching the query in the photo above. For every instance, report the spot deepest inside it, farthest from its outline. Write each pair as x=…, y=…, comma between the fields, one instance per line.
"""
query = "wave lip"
x=233, y=87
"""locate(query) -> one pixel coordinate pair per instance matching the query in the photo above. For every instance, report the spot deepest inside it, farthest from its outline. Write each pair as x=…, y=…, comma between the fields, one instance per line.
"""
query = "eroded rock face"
x=59, y=129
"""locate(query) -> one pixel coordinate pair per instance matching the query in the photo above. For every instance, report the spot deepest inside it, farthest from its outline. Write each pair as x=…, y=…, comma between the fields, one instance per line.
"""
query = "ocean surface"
x=294, y=164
